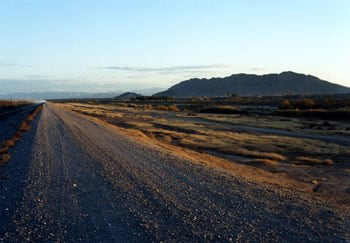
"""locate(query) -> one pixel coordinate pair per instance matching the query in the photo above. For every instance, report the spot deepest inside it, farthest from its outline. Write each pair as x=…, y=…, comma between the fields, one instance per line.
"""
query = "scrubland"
x=313, y=152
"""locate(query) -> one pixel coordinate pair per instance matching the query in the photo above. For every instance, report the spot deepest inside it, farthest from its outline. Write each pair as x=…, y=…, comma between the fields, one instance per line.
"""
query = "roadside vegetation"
x=327, y=108
x=9, y=106
x=209, y=126
x=21, y=128
x=13, y=103
x=213, y=134
x=330, y=107
x=225, y=129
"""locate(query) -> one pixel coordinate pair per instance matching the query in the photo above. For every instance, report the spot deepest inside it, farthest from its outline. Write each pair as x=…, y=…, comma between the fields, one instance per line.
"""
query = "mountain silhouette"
x=127, y=95
x=285, y=83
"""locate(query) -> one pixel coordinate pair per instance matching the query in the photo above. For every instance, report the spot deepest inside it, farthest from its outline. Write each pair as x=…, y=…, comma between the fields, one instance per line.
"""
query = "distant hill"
x=249, y=84
x=74, y=95
x=58, y=95
x=147, y=91
x=127, y=95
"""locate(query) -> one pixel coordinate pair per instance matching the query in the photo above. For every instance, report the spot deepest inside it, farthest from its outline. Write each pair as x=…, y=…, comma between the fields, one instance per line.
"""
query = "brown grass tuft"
x=166, y=138
x=24, y=126
x=265, y=155
x=313, y=161
x=268, y=162
x=327, y=162
x=4, y=158
x=9, y=143
x=167, y=108
x=4, y=149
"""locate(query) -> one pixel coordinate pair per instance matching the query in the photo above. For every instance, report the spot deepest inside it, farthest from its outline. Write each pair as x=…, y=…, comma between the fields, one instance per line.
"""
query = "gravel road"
x=70, y=180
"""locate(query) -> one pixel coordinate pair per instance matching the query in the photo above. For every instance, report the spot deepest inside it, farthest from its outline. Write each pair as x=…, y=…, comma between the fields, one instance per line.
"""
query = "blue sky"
x=111, y=45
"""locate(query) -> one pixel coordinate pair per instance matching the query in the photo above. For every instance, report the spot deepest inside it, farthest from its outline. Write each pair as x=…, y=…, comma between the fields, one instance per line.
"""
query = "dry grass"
x=173, y=108
x=24, y=127
x=299, y=125
x=204, y=137
x=8, y=143
x=211, y=140
x=4, y=158
x=313, y=161
x=270, y=158
x=267, y=162
x=13, y=103
x=208, y=143
x=253, y=174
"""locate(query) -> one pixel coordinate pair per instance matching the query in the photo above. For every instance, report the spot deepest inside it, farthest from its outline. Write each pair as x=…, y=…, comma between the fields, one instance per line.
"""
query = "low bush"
x=173, y=108
x=342, y=114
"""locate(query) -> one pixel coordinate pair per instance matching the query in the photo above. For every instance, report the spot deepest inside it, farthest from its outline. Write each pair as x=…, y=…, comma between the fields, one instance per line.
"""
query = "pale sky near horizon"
x=113, y=45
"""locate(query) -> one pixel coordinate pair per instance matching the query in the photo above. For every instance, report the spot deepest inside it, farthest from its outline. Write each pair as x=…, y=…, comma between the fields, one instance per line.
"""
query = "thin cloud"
x=37, y=76
x=7, y=64
x=10, y=64
x=170, y=69
x=257, y=69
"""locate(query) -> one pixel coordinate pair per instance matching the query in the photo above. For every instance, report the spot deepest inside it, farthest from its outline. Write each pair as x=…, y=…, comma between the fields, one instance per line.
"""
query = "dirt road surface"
x=71, y=179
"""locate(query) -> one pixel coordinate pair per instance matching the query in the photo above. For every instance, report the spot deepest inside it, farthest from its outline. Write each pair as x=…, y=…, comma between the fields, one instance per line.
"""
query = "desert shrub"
x=285, y=104
x=341, y=114
x=305, y=104
x=173, y=108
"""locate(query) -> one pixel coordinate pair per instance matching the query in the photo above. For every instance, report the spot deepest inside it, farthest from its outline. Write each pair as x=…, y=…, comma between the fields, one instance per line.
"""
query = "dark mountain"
x=248, y=84
x=127, y=95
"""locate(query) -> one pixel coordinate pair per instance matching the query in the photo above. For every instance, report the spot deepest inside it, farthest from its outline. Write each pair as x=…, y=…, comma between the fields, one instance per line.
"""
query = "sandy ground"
x=71, y=179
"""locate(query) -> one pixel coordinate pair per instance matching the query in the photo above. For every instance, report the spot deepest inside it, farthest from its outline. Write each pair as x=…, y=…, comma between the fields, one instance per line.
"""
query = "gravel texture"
x=70, y=179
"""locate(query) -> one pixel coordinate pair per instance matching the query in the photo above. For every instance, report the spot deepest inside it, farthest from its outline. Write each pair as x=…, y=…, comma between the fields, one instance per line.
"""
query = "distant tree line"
x=309, y=103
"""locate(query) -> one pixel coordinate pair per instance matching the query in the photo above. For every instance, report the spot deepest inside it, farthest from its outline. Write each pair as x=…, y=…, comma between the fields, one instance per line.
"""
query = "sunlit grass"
x=202, y=137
